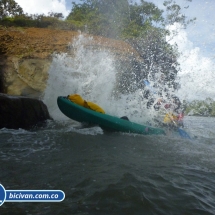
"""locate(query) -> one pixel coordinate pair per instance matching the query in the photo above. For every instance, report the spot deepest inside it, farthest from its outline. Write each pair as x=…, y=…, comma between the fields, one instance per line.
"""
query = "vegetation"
x=201, y=108
x=38, y=21
x=11, y=14
x=9, y=8
x=116, y=19
x=121, y=19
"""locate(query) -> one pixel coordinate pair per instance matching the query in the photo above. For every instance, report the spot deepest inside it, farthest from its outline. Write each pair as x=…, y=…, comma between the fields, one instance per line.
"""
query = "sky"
x=45, y=6
x=202, y=32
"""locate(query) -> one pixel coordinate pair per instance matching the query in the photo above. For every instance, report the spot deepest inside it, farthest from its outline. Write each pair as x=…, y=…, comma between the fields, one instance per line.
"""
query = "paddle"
x=182, y=133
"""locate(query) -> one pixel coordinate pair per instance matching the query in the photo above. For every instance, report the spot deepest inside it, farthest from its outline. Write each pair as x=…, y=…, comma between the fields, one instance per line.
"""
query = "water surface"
x=111, y=173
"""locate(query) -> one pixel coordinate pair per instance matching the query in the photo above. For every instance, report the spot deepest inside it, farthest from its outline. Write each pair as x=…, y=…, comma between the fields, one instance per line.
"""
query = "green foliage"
x=9, y=8
x=174, y=14
x=39, y=21
x=141, y=19
x=56, y=15
x=121, y=19
x=90, y=16
x=201, y=108
x=11, y=14
x=115, y=19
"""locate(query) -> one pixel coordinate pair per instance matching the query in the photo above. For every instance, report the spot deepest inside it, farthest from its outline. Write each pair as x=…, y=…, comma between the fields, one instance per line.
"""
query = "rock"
x=26, y=55
x=21, y=112
x=41, y=43
x=26, y=77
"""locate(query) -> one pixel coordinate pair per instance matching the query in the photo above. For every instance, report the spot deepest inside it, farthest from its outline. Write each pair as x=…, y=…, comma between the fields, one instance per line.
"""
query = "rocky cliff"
x=26, y=55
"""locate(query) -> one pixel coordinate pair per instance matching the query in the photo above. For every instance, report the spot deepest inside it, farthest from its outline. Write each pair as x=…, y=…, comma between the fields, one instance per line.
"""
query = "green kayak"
x=105, y=121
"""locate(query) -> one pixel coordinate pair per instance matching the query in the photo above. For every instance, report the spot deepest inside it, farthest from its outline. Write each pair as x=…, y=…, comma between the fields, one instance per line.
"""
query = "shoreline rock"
x=21, y=112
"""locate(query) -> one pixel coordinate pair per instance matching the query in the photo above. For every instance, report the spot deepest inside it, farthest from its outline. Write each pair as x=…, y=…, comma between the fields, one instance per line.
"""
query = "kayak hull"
x=105, y=121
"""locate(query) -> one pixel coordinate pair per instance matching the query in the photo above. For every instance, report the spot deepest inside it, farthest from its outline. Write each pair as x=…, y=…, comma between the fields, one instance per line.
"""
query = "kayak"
x=105, y=121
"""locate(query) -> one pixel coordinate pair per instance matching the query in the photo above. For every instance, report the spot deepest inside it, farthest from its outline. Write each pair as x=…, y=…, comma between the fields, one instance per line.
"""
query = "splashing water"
x=92, y=74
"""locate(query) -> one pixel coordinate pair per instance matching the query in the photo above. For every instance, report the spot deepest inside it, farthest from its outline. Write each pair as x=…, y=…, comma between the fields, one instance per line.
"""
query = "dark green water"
x=111, y=173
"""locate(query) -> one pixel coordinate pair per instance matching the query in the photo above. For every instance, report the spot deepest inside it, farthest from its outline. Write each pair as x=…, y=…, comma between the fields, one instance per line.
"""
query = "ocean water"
x=108, y=173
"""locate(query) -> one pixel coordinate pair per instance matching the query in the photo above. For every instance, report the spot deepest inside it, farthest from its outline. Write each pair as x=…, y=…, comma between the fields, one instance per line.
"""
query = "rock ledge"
x=21, y=112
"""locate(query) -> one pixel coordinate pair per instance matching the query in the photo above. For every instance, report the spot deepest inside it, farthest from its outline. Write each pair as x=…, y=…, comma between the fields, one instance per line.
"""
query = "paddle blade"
x=146, y=83
x=183, y=133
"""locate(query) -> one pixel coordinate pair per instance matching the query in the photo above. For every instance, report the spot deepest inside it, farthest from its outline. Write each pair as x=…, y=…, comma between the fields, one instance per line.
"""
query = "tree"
x=115, y=19
x=123, y=19
x=174, y=14
x=142, y=17
x=99, y=17
x=9, y=8
x=56, y=15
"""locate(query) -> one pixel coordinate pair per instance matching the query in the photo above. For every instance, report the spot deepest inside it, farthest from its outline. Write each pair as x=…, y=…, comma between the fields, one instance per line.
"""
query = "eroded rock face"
x=21, y=112
x=26, y=56
x=26, y=77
